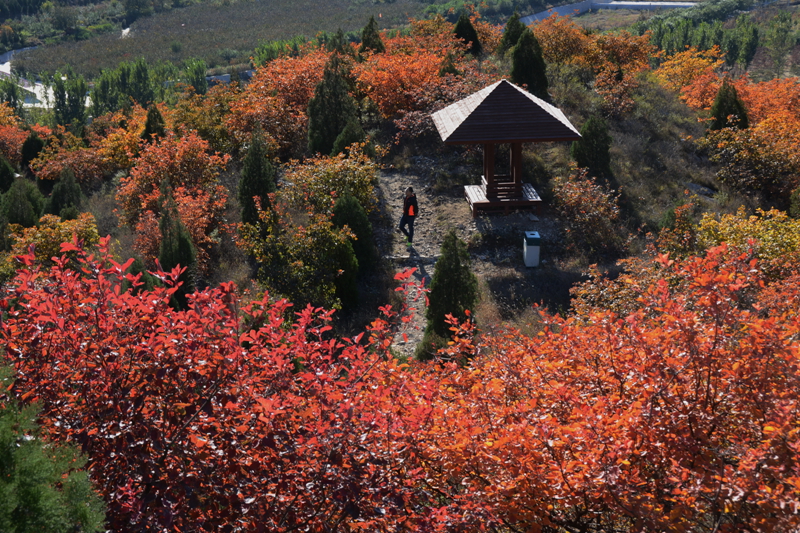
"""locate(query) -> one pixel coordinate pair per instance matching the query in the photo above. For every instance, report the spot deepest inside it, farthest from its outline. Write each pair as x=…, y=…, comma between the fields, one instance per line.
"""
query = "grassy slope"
x=211, y=32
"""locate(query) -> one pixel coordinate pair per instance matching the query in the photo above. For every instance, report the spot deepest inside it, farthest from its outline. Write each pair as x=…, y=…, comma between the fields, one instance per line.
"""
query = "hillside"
x=203, y=288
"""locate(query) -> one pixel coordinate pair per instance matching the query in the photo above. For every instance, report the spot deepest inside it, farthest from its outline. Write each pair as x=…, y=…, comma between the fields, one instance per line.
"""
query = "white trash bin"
x=530, y=248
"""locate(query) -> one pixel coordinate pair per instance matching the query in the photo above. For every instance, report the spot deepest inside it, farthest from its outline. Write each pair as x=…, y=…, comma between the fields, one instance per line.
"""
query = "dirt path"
x=509, y=289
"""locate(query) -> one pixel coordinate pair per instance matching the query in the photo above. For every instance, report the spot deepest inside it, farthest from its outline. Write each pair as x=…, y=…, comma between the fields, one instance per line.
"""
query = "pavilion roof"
x=502, y=113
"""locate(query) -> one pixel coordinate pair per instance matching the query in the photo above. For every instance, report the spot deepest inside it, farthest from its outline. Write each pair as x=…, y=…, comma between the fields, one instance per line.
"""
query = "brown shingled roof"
x=502, y=113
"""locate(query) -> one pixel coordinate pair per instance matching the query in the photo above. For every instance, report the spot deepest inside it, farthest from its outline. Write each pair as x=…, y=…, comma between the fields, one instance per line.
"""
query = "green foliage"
x=352, y=133
x=23, y=203
x=154, y=125
x=266, y=52
x=43, y=488
x=176, y=245
x=465, y=31
x=309, y=264
x=120, y=87
x=779, y=39
x=31, y=148
x=11, y=94
x=513, y=31
x=337, y=42
x=258, y=178
x=454, y=288
x=330, y=109
x=726, y=104
x=6, y=175
x=794, y=203
x=195, y=73
x=147, y=280
x=371, y=38
x=527, y=65
x=69, y=99
x=66, y=195
x=592, y=149
x=348, y=212
x=320, y=179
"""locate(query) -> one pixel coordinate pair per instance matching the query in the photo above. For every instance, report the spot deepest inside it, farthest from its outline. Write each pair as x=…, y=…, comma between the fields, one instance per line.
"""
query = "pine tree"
x=465, y=31
x=23, y=203
x=42, y=486
x=258, y=178
x=592, y=149
x=348, y=211
x=339, y=44
x=176, y=245
x=7, y=175
x=454, y=288
x=330, y=109
x=527, y=65
x=728, y=103
x=512, y=33
x=31, y=148
x=352, y=133
x=371, y=39
x=154, y=126
x=66, y=194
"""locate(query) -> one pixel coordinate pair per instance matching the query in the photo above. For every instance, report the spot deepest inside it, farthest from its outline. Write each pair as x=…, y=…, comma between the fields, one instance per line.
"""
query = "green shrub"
x=465, y=31
x=258, y=178
x=7, y=175
x=591, y=151
x=331, y=108
x=66, y=194
x=43, y=487
x=454, y=288
x=23, y=203
x=347, y=211
x=527, y=65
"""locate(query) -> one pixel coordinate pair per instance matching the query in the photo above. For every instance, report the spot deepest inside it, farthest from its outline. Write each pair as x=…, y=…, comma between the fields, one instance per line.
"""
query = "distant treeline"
x=703, y=27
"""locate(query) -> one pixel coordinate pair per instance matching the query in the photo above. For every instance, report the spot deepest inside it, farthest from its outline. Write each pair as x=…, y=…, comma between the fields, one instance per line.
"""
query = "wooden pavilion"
x=502, y=113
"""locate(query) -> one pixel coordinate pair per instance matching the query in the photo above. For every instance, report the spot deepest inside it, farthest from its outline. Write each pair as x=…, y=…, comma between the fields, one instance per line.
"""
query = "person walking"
x=410, y=211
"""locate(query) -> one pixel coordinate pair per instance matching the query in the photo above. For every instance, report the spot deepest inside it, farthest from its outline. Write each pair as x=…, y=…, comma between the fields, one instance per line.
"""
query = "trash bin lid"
x=532, y=238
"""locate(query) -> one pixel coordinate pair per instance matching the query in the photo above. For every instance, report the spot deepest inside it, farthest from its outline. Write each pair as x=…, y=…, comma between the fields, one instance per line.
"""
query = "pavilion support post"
x=516, y=167
x=488, y=170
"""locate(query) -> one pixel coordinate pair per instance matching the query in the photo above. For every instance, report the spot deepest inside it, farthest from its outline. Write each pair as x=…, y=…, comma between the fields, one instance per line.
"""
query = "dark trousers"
x=407, y=221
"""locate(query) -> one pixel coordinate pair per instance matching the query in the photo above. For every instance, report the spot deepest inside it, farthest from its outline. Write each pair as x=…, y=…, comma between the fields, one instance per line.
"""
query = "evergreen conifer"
x=528, y=66
x=31, y=148
x=154, y=126
x=348, y=211
x=592, y=149
x=23, y=203
x=69, y=99
x=727, y=103
x=330, y=109
x=371, y=38
x=66, y=194
x=513, y=31
x=176, y=245
x=7, y=175
x=465, y=31
x=453, y=290
x=258, y=178
x=42, y=486
x=352, y=133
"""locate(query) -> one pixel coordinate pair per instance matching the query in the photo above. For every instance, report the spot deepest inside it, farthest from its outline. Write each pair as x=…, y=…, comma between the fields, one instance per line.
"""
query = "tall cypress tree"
x=528, y=66
x=465, y=31
x=371, y=38
x=176, y=245
x=330, y=109
x=512, y=33
x=66, y=194
x=348, y=211
x=592, y=149
x=727, y=103
x=258, y=178
x=154, y=126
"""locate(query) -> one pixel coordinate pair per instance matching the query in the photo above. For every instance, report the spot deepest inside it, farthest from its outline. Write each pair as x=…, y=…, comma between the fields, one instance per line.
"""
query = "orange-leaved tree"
x=679, y=416
x=223, y=416
x=192, y=171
